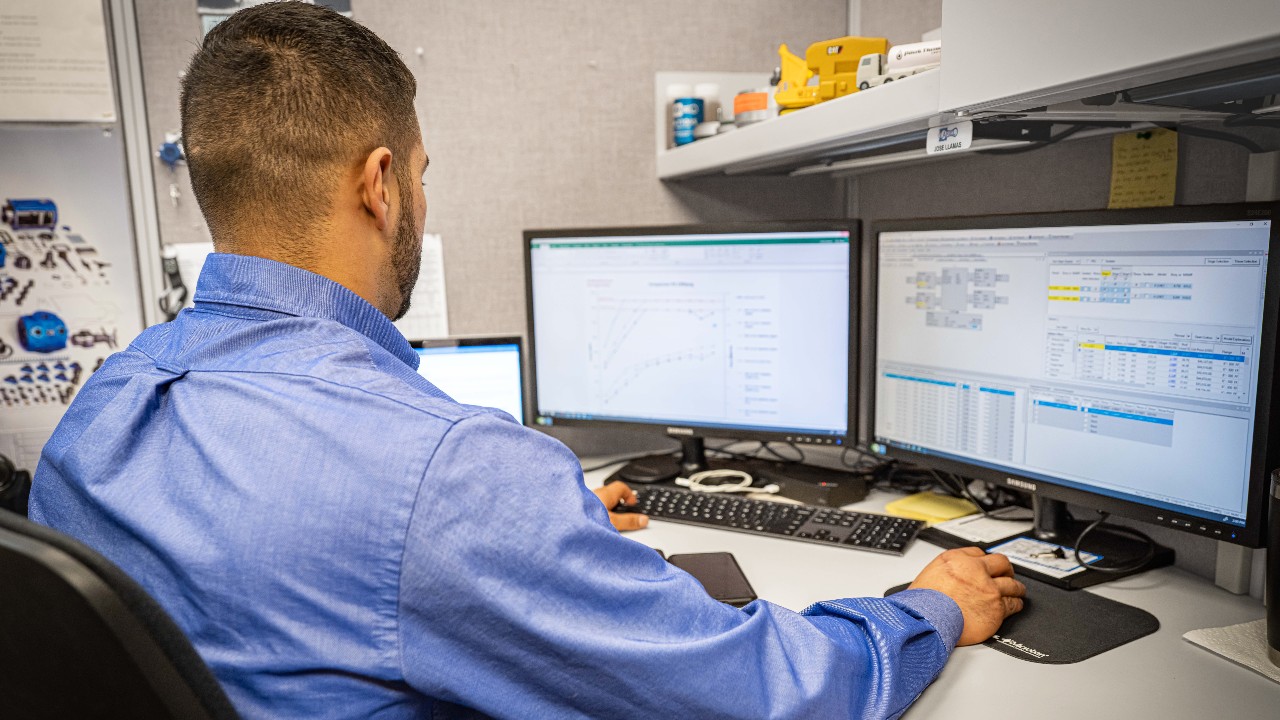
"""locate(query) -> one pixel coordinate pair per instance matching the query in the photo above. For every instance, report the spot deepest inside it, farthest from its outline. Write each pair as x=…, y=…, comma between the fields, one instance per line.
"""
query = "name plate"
x=955, y=137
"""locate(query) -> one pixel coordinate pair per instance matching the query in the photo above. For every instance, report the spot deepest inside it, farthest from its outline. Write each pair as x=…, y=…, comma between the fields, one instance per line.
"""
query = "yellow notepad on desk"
x=931, y=507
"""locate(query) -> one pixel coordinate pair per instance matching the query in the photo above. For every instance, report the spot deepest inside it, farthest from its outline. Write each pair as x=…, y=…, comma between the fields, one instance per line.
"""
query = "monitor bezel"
x=485, y=341
x=1265, y=432
x=676, y=430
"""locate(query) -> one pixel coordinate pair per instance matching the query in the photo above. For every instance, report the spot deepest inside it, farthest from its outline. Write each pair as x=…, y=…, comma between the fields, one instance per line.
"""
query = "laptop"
x=485, y=371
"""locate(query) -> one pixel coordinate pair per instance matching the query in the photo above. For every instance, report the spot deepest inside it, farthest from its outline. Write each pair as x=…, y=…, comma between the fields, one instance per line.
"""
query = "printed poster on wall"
x=54, y=65
x=69, y=293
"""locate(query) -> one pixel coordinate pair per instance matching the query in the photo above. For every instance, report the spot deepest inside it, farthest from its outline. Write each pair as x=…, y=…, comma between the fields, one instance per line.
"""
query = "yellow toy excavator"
x=835, y=62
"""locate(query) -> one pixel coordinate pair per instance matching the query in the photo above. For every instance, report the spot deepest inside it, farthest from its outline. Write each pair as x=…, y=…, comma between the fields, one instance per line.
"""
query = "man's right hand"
x=981, y=584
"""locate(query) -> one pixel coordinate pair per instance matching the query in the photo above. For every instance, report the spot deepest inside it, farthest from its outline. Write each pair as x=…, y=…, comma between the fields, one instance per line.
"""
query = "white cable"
x=695, y=482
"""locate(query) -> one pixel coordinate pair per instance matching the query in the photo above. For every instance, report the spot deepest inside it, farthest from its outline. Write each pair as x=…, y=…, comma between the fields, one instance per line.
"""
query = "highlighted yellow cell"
x=1093, y=346
x=1065, y=298
x=1106, y=273
x=1071, y=288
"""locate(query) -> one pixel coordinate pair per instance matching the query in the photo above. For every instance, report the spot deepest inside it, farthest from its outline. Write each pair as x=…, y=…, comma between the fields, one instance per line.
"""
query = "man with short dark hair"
x=275, y=106
x=336, y=536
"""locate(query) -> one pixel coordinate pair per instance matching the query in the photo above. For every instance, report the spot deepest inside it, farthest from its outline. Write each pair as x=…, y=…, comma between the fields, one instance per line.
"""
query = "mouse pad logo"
x=1010, y=642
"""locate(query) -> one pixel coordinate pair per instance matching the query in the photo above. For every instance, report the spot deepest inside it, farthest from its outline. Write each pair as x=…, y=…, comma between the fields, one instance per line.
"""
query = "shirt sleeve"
x=518, y=598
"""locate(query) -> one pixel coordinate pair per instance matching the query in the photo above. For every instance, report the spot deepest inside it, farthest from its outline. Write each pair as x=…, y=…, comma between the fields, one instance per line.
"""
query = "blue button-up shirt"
x=339, y=538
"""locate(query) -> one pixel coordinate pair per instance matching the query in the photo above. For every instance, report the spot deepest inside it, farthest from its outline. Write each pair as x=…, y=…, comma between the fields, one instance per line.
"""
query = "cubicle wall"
x=535, y=115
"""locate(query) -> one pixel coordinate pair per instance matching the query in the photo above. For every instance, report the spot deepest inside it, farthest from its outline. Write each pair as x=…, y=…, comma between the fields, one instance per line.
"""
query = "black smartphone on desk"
x=719, y=574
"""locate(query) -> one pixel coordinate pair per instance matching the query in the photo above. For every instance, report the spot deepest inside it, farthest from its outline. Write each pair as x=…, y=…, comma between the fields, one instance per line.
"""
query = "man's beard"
x=406, y=255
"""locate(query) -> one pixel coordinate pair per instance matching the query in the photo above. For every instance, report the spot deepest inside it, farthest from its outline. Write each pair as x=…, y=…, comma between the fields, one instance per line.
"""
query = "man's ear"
x=376, y=189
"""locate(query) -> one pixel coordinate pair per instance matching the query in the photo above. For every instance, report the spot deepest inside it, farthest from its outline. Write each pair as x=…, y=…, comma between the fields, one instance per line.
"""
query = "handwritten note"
x=1144, y=169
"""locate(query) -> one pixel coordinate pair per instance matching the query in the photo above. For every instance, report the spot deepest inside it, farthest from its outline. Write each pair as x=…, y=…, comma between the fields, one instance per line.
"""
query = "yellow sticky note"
x=1144, y=169
x=930, y=507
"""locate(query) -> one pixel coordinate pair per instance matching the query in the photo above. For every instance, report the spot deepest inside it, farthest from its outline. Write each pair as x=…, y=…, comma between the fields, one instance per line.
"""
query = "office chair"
x=80, y=639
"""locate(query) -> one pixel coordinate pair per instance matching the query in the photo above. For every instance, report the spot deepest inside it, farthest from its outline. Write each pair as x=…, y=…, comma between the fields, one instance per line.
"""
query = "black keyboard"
x=863, y=531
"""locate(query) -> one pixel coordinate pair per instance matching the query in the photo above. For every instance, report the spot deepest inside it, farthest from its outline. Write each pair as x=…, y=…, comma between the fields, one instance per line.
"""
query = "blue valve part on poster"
x=170, y=153
x=42, y=332
x=30, y=214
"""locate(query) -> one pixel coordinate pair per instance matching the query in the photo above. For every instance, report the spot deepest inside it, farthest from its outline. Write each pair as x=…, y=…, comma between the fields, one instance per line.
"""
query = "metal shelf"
x=893, y=114
x=1080, y=69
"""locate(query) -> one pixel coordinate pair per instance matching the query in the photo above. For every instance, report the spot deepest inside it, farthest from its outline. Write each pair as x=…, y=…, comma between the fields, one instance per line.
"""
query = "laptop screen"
x=476, y=371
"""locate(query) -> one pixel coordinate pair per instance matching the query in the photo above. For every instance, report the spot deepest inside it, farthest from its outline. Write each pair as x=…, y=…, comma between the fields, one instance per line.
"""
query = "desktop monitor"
x=483, y=371
x=729, y=331
x=1118, y=360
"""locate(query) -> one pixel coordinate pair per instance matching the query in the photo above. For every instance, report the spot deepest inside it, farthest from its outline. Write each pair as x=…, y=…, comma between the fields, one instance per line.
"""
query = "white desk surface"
x=1158, y=676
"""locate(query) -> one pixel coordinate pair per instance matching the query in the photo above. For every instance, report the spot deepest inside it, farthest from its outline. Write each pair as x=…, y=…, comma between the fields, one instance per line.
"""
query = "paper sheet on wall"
x=191, y=257
x=1144, y=169
x=53, y=62
x=428, y=315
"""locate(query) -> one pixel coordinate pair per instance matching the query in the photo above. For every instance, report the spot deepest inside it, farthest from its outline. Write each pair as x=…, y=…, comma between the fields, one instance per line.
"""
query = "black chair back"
x=80, y=639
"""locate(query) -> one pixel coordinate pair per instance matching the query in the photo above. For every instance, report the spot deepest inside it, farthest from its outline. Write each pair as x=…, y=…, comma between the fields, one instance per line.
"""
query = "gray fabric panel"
x=1075, y=175
x=536, y=114
x=902, y=21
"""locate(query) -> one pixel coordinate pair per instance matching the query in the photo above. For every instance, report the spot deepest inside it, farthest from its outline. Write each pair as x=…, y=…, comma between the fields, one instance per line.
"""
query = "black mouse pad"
x=1059, y=626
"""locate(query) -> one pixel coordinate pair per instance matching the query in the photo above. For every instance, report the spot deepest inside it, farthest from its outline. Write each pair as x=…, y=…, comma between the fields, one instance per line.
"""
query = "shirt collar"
x=254, y=282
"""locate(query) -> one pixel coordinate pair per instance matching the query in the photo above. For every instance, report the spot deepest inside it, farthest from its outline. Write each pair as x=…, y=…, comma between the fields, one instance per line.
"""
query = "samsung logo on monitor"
x=1023, y=484
x=679, y=431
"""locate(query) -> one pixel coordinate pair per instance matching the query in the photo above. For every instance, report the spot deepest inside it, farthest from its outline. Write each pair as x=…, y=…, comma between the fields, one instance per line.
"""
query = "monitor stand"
x=1053, y=523
x=665, y=468
x=809, y=484
x=649, y=470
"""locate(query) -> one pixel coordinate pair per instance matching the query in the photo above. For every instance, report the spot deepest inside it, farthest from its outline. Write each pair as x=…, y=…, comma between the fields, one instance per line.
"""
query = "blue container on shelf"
x=686, y=113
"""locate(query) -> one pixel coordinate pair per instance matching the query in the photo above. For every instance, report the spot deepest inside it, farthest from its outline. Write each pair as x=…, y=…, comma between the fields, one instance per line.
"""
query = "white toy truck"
x=901, y=61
